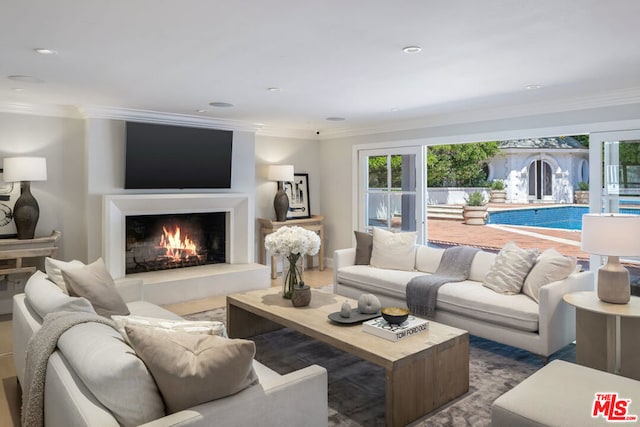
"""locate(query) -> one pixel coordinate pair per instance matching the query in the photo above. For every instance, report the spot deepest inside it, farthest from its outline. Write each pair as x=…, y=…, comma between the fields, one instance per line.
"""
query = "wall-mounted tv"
x=176, y=157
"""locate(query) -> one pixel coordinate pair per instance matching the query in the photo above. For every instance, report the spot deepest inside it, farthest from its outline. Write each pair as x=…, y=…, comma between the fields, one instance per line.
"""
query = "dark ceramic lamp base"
x=281, y=204
x=26, y=212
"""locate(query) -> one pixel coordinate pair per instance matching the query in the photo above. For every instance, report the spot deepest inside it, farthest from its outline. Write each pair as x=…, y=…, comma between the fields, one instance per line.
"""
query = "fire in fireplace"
x=161, y=242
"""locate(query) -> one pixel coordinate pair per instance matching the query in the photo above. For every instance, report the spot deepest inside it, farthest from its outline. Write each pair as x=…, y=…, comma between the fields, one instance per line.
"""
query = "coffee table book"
x=380, y=327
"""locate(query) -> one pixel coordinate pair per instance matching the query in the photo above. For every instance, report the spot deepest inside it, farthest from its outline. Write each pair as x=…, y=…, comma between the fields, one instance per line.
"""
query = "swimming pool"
x=565, y=217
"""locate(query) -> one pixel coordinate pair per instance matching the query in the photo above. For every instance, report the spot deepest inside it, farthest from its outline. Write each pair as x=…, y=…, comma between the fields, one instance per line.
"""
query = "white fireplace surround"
x=116, y=208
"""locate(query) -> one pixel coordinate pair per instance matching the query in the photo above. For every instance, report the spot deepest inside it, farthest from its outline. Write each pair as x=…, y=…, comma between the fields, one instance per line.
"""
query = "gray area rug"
x=356, y=387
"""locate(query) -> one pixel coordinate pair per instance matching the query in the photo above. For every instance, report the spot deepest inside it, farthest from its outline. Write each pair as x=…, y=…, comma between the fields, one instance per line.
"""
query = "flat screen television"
x=176, y=157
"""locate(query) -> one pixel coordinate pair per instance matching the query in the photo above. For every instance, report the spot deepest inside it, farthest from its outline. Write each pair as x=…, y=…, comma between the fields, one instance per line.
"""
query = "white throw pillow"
x=550, y=267
x=188, y=326
x=511, y=266
x=113, y=373
x=53, y=268
x=396, y=251
x=44, y=297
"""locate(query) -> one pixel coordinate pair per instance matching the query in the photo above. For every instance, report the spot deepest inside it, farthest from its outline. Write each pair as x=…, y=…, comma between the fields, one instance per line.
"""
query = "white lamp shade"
x=24, y=169
x=281, y=173
x=611, y=234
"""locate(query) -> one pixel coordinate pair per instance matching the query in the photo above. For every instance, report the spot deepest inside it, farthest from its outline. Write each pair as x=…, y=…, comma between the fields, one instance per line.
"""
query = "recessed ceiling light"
x=394, y=109
x=44, y=51
x=221, y=104
x=26, y=79
x=411, y=49
x=18, y=89
x=532, y=87
x=274, y=89
x=201, y=111
x=335, y=119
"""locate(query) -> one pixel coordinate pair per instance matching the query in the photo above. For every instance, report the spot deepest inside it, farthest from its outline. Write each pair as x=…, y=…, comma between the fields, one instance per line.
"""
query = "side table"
x=268, y=226
x=607, y=335
x=25, y=256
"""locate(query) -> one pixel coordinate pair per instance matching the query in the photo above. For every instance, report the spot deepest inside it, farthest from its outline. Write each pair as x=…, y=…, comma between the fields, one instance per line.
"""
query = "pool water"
x=564, y=217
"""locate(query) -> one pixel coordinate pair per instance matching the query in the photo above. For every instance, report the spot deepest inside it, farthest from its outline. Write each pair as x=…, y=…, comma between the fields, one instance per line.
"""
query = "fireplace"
x=238, y=273
x=169, y=241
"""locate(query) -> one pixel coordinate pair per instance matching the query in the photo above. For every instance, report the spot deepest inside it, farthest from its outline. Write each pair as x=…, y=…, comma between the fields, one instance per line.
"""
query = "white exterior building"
x=540, y=169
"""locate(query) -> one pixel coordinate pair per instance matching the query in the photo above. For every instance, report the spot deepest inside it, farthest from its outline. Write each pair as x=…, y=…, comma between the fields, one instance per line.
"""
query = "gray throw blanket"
x=41, y=345
x=422, y=291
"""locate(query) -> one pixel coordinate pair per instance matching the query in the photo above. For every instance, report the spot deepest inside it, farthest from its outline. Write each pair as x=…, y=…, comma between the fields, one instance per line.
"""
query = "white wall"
x=62, y=197
x=303, y=154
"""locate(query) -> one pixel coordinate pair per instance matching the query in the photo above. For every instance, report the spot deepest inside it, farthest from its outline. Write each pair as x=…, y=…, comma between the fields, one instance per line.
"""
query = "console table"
x=268, y=226
x=25, y=255
x=607, y=335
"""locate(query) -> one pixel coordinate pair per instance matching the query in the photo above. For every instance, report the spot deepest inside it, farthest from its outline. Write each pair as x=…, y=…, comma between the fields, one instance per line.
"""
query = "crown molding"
x=50, y=110
x=602, y=100
x=608, y=99
x=288, y=133
x=112, y=113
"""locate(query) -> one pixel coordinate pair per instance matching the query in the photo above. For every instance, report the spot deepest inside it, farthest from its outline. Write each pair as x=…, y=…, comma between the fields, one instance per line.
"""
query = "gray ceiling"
x=329, y=58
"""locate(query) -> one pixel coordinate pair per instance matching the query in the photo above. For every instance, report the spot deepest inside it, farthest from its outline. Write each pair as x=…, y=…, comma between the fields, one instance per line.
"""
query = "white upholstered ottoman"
x=563, y=394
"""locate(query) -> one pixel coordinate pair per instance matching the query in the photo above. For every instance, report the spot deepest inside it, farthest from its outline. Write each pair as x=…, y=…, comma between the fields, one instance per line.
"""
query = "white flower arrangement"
x=290, y=240
x=292, y=243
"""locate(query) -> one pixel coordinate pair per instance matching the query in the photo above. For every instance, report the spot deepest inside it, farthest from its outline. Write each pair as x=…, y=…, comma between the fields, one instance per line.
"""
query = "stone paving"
x=493, y=237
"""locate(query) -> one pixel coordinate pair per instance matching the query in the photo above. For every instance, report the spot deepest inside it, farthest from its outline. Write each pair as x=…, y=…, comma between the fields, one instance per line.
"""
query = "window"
x=391, y=189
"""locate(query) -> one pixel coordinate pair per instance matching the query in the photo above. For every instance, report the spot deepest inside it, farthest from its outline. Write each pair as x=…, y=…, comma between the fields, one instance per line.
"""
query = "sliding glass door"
x=614, y=177
x=391, y=185
x=615, y=171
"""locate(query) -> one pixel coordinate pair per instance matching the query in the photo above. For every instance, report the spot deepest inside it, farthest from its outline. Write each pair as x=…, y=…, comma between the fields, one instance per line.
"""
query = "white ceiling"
x=330, y=58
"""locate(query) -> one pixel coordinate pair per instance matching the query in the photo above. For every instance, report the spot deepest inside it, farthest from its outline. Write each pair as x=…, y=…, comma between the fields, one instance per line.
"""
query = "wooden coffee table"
x=423, y=372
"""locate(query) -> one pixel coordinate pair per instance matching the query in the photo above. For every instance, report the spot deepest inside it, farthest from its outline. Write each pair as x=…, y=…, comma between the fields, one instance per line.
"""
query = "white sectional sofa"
x=74, y=395
x=517, y=320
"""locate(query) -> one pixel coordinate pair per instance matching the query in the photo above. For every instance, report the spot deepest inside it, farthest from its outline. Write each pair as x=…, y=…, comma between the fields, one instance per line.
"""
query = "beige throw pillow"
x=193, y=369
x=550, y=267
x=94, y=282
x=54, y=268
x=396, y=251
x=208, y=327
x=511, y=266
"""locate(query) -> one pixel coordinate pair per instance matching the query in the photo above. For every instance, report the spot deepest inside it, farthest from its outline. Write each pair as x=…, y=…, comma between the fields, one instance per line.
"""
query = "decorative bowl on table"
x=395, y=315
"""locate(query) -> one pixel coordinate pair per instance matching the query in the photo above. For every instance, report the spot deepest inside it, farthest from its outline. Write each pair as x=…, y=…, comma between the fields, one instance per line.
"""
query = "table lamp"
x=26, y=210
x=613, y=236
x=281, y=173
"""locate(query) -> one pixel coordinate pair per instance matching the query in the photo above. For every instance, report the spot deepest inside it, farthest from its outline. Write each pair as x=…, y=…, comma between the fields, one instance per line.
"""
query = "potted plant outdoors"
x=497, y=192
x=475, y=210
x=582, y=193
x=292, y=243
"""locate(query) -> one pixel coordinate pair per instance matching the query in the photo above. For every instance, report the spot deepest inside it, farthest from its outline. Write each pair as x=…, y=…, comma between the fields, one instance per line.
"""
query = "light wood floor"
x=9, y=391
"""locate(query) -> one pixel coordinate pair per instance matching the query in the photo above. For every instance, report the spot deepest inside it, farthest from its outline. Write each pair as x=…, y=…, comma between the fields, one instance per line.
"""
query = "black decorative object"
x=281, y=203
x=26, y=210
x=281, y=174
x=301, y=296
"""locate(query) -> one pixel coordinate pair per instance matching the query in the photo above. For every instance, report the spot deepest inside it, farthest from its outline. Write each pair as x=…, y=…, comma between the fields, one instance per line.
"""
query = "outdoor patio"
x=493, y=237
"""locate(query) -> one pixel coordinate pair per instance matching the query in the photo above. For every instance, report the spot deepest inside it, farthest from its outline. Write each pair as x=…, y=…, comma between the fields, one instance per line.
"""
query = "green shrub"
x=497, y=184
x=475, y=199
x=583, y=186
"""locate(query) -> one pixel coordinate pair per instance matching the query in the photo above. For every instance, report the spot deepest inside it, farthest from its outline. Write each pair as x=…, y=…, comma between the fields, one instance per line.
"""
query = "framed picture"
x=298, y=193
x=9, y=193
